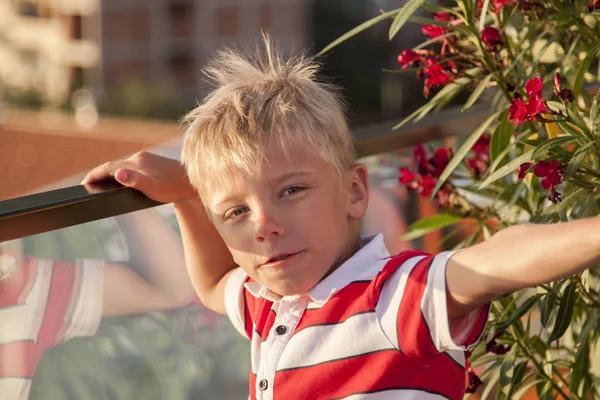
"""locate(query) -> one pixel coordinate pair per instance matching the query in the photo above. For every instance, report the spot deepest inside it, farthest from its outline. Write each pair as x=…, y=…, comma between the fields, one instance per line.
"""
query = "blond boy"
x=273, y=241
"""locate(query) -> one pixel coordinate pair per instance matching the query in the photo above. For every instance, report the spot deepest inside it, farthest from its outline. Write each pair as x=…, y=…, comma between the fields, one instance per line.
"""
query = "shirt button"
x=263, y=385
x=281, y=330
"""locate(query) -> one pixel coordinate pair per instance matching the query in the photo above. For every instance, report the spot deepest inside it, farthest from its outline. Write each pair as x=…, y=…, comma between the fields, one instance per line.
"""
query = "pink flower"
x=426, y=185
x=517, y=111
x=408, y=58
x=433, y=31
x=497, y=4
x=535, y=105
x=523, y=169
x=440, y=161
x=551, y=171
x=491, y=36
x=482, y=145
x=534, y=86
x=406, y=176
x=442, y=17
x=436, y=74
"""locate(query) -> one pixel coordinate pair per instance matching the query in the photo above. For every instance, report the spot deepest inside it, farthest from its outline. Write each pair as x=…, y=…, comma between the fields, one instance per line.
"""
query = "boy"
x=273, y=241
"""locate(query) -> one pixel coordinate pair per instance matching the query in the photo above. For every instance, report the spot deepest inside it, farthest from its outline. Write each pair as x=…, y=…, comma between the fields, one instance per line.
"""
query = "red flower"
x=440, y=160
x=406, y=176
x=442, y=17
x=482, y=145
x=491, y=36
x=435, y=72
x=517, y=111
x=551, y=171
x=408, y=58
x=474, y=382
x=426, y=185
x=534, y=86
x=594, y=5
x=523, y=169
x=535, y=105
x=419, y=152
x=497, y=4
x=433, y=31
x=498, y=349
x=478, y=164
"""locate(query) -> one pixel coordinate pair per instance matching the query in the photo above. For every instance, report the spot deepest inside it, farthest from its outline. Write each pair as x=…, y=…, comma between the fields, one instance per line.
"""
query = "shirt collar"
x=372, y=249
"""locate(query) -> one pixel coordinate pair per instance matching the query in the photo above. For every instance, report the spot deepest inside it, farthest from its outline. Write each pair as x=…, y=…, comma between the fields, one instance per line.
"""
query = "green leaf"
x=565, y=313
x=583, y=67
x=546, y=308
x=595, y=113
x=557, y=106
x=577, y=159
x=429, y=224
x=524, y=389
x=446, y=93
x=510, y=167
x=540, y=151
x=463, y=151
x=405, y=12
x=570, y=130
x=587, y=328
x=568, y=200
x=517, y=380
x=525, y=307
x=580, y=367
x=484, y=9
x=501, y=137
x=508, y=368
x=538, y=346
x=477, y=92
x=362, y=27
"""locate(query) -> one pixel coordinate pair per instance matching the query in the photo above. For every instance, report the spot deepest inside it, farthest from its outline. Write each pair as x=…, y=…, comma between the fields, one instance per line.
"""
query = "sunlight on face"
x=290, y=225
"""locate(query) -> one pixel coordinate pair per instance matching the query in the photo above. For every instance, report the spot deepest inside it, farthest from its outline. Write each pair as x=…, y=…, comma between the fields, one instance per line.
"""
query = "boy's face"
x=294, y=222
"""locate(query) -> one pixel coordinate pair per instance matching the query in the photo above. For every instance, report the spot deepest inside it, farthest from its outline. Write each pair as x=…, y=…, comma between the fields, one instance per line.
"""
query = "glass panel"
x=105, y=310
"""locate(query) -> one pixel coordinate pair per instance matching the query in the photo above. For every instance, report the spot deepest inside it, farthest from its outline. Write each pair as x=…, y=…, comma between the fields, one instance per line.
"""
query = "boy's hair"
x=257, y=99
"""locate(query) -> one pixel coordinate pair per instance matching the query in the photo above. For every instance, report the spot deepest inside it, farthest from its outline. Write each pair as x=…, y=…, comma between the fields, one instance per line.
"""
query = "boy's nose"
x=266, y=228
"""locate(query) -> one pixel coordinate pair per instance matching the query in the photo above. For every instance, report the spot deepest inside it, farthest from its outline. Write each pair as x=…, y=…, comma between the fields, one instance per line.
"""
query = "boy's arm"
x=208, y=260
x=156, y=279
x=163, y=179
x=518, y=257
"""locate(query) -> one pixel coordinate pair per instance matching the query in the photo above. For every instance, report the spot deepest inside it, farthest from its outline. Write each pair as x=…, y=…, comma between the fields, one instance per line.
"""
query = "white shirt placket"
x=288, y=315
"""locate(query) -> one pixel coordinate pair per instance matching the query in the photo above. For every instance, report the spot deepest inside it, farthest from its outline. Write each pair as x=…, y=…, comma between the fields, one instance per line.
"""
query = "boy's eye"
x=236, y=212
x=291, y=190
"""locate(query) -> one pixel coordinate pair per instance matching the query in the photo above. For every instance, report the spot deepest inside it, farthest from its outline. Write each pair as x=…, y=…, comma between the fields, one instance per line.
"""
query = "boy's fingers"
x=136, y=180
x=105, y=171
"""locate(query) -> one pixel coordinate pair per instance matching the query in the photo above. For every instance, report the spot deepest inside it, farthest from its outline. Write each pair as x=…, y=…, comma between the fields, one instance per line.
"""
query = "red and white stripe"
x=41, y=305
x=376, y=328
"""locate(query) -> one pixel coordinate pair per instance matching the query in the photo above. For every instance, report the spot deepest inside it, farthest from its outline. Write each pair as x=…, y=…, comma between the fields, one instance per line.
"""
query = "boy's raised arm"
x=208, y=260
x=518, y=257
x=163, y=179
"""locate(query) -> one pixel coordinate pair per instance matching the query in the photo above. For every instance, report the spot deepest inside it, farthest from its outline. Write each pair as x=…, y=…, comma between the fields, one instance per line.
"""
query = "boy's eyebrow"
x=292, y=174
x=276, y=179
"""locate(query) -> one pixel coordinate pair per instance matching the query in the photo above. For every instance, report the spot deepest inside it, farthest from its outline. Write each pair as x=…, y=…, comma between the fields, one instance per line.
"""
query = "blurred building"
x=171, y=39
x=44, y=49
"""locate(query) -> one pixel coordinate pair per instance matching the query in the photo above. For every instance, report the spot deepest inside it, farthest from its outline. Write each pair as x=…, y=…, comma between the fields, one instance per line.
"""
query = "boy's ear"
x=358, y=184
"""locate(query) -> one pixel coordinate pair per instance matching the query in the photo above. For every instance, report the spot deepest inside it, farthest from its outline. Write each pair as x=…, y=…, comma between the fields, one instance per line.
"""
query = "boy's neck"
x=351, y=248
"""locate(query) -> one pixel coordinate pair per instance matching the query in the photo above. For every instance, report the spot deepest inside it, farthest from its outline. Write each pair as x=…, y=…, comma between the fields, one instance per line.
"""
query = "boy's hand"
x=161, y=179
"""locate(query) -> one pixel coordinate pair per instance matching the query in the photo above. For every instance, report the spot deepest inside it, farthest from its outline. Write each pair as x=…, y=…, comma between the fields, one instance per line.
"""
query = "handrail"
x=56, y=209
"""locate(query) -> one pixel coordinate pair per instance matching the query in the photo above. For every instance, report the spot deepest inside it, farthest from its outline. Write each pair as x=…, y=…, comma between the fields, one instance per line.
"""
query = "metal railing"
x=56, y=209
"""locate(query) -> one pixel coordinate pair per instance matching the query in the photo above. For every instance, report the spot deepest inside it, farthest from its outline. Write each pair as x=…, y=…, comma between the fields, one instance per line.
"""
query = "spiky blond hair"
x=258, y=98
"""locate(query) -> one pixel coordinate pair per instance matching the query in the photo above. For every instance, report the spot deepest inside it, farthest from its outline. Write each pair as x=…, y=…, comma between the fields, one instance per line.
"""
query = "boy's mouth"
x=280, y=257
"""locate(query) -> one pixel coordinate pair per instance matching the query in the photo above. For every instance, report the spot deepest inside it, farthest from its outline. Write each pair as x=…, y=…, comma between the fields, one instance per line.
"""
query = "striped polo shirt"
x=376, y=328
x=42, y=304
